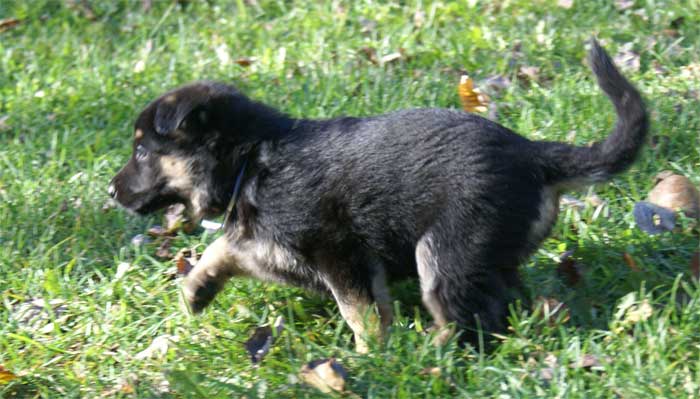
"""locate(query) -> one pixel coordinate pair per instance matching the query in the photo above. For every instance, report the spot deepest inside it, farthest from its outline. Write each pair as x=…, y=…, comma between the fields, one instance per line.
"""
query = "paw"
x=199, y=293
x=361, y=346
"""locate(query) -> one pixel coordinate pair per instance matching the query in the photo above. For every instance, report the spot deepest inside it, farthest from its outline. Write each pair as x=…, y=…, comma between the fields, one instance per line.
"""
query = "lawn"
x=74, y=75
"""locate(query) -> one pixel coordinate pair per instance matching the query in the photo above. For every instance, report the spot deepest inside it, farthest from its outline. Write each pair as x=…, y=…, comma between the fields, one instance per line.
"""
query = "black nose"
x=112, y=190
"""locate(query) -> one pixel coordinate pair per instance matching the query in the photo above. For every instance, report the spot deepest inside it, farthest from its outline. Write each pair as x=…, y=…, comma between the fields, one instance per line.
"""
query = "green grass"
x=70, y=92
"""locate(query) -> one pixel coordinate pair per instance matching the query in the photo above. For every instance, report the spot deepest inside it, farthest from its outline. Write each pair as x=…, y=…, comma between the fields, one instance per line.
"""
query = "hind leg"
x=458, y=289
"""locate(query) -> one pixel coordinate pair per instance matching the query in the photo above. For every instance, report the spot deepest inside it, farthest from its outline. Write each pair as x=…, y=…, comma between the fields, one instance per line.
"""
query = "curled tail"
x=566, y=164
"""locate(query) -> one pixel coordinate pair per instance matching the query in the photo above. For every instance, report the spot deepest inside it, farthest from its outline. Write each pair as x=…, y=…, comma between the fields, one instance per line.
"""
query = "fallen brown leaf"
x=40, y=315
x=638, y=312
x=245, y=61
x=627, y=58
x=158, y=347
x=434, y=371
x=371, y=54
x=473, y=100
x=695, y=265
x=496, y=83
x=391, y=57
x=140, y=239
x=367, y=25
x=163, y=250
x=259, y=344
x=551, y=310
x=6, y=375
x=587, y=361
x=185, y=260
x=677, y=193
x=566, y=4
x=419, y=18
x=629, y=260
x=529, y=73
x=122, y=269
x=568, y=269
x=157, y=231
x=8, y=23
x=327, y=375
x=623, y=5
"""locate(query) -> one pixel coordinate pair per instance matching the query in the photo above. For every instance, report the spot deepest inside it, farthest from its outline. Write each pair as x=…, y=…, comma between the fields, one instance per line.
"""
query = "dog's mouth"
x=157, y=204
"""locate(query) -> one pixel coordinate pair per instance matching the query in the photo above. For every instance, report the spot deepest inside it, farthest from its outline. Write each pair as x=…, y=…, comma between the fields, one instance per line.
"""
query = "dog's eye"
x=141, y=153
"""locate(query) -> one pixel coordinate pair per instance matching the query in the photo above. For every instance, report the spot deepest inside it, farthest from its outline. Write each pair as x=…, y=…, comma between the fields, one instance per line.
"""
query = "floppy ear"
x=174, y=108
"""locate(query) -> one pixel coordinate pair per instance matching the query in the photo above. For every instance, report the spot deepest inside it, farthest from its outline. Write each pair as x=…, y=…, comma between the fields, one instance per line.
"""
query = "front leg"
x=356, y=309
x=210, y=274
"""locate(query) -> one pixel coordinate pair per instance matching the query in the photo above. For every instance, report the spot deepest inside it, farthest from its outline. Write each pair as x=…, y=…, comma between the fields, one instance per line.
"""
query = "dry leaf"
x=8, y=23
x=568, y=269
x=473, y=100
x=566, y=4
x=163, y=250
x=434, y=371
x=83, y=7
x=638, y=312
x=623, y=5
x=546, y=373
x=529, y=73
x=690, y=72
x=122, y=269
x=327, y=375
x=259, y=344
x=419, y=18
x=139, y=66
x=371, y=54
x=367, y=25
x=245, y=61
x=6, y=375
x=629, y=260
x=157, y=231
x=40, y=315
x=139, y=239
x=185, y=260
x=695, y=265
x=627, y=59
x=552, y=310
x=496, y=83
x=392, y=57
x=570, y=201
x=158, y=347
x=677, y=193
x=587, y=361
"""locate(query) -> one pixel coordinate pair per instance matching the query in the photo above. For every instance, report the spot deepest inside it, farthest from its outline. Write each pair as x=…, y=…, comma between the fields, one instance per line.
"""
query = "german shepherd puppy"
x=344, y=205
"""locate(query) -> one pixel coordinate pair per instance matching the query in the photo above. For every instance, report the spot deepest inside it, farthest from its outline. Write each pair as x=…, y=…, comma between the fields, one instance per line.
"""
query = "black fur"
x=347, y=193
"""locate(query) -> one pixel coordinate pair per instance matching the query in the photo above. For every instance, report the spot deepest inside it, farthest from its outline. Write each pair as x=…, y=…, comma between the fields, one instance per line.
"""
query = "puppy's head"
x=187, y=147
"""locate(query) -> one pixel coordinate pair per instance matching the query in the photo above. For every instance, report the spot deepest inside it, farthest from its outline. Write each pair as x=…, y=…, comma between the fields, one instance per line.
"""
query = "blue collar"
x=234, y=197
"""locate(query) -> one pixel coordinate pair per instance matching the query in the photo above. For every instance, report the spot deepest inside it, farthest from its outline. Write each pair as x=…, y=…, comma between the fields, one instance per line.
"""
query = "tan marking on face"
x=177, y=172
x=138, y=134
x=170, y=99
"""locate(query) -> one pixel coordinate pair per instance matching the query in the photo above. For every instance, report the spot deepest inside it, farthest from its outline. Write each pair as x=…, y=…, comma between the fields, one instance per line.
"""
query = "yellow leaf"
x=473, y=100
x=6, y=375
